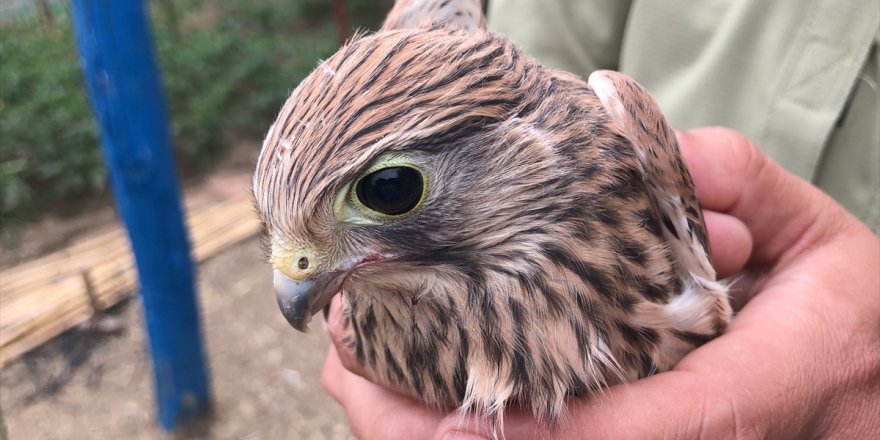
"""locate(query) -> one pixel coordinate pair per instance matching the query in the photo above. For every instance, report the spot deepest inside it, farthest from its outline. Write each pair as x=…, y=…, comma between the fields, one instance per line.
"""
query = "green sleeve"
x=850, y=167
x=575, y=36
x=798, y=77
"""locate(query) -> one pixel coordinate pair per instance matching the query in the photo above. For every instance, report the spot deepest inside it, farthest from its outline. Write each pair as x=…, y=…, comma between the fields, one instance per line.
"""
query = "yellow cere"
x=296, y=263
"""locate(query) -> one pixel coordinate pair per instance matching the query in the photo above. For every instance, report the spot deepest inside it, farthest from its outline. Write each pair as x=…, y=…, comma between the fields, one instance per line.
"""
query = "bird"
x=501, y=233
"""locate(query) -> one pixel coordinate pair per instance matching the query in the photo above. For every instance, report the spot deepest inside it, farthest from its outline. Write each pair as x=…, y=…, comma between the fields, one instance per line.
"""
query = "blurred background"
x=72, y=345
x=227, y=66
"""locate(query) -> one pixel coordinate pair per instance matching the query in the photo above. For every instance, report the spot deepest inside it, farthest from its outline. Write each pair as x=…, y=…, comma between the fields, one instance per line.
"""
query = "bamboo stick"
x=43, y=298
x=85, y=253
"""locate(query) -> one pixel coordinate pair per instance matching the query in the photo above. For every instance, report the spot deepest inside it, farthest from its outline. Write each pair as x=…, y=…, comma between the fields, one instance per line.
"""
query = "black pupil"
x=391, y=191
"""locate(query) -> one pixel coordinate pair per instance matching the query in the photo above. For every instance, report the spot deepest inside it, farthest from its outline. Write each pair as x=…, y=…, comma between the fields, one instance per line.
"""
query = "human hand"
x=800, y=360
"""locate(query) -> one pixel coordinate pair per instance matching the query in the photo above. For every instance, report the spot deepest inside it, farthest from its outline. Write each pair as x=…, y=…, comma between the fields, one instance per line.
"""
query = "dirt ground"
x=91, y=384
x=95, y=382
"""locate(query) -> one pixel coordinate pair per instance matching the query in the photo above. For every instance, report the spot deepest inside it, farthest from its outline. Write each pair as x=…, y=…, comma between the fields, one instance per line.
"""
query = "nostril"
x=303, y=263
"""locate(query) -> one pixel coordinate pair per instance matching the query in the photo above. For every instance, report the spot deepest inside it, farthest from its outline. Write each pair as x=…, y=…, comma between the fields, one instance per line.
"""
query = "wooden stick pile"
x=44, y=297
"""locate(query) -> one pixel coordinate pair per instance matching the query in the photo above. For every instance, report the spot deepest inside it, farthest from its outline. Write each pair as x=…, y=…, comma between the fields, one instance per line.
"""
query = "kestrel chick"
x=499, y=231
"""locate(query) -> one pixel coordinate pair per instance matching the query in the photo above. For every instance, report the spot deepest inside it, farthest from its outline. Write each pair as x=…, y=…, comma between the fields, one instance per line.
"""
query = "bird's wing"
x=701, y=310
x=637, y=116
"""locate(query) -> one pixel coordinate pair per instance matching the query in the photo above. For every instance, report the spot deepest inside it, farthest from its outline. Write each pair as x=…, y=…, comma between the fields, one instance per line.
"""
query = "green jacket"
x=798, y=77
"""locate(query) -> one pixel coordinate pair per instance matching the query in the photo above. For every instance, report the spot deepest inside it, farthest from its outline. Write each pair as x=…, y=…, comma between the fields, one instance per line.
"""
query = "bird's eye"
x=391, y=191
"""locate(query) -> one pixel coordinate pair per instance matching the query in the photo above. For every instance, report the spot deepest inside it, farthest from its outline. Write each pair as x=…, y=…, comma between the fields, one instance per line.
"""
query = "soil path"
x=90, y=384
x=95, y=382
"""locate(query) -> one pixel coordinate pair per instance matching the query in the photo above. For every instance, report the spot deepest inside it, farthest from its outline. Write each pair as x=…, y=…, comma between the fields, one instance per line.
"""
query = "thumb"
x=340, y=331
x=458, y=426
x=783, y=213
x=679, y=403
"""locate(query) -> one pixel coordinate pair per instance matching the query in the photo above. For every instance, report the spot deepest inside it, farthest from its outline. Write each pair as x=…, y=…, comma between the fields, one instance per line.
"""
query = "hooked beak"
x=300, y=300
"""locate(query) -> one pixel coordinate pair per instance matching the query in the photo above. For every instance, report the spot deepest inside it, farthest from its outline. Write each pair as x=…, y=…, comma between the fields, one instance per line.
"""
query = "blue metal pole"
x=118, y=59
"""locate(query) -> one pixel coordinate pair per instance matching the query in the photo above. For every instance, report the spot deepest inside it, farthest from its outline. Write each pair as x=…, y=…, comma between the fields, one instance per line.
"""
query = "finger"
x=457, y=426
x=342, y=337
x=677, y=401
x=331, y=376
x=730, y=242
x=338, y=326
x=375, y=412
x=677, y=404
x=781, y=211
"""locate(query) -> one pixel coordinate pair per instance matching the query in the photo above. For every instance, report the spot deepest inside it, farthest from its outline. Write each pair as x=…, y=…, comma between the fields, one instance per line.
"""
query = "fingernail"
x=458, y=435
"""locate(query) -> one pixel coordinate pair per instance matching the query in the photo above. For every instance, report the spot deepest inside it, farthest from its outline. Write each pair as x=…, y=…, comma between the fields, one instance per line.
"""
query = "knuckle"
x=742, y=152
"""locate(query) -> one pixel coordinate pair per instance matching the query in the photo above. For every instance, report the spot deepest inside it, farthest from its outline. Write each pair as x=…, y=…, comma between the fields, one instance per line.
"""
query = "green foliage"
x=227, y=67
x=232, y=76
x=47, y=137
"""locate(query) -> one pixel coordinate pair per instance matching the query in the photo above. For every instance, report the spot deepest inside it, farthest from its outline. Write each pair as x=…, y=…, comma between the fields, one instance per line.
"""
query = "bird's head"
x=407, y=162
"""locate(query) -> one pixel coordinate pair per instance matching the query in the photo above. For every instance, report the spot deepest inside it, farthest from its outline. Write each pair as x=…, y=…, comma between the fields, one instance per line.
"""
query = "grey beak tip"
x=301, y=325
x=294, y=300
x=300, y=300
x=294, y=315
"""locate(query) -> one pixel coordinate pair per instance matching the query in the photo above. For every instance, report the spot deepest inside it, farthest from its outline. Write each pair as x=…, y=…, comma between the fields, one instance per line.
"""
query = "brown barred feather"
x=559, y=248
